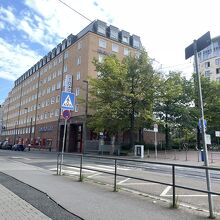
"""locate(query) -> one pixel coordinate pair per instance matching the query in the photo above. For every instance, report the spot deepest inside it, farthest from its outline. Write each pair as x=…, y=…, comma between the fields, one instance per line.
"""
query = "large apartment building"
x=209, y=60
x=32, y=111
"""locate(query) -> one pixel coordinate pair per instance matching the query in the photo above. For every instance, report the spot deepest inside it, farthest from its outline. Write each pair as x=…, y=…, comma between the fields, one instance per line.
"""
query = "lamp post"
x=86, y=114
x=15, y=132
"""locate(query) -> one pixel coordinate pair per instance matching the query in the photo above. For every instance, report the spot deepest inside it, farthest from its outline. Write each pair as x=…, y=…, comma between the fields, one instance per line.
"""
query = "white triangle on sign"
x=67, y=102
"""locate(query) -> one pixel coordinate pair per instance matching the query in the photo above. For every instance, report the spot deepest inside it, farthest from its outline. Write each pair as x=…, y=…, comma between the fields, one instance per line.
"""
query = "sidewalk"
x=14, y=208
x=90, y=201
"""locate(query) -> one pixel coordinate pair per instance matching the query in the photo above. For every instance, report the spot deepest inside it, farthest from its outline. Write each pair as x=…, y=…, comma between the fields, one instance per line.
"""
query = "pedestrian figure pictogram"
x=67, y=102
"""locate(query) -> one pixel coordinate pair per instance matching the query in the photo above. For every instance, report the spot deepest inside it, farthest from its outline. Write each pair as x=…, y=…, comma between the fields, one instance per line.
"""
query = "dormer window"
x=114, y=34
x=136, y=43
x=125, y=39
x=101, y=29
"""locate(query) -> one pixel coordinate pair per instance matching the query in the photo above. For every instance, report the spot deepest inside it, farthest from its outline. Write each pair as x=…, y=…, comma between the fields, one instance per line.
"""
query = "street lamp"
x=86, y=114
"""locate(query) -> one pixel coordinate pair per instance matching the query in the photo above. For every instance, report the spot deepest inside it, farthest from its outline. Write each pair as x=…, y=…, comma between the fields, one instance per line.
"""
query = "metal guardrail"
x=116, y=174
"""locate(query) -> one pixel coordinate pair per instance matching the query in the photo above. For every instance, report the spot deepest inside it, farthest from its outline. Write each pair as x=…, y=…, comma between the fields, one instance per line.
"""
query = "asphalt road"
x=194, y=178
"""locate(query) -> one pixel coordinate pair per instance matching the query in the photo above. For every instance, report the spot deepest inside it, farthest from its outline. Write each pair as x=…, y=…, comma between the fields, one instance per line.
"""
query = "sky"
x=29, y=29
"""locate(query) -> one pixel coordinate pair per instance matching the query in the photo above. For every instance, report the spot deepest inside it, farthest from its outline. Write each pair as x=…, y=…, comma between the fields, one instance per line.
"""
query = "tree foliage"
x=123, y=94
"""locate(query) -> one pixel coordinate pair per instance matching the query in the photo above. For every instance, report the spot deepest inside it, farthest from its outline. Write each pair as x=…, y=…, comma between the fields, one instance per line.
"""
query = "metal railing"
x=123, y=160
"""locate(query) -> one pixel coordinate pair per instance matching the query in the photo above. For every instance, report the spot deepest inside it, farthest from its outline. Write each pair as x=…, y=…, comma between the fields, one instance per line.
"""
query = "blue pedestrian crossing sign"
x=67, y=101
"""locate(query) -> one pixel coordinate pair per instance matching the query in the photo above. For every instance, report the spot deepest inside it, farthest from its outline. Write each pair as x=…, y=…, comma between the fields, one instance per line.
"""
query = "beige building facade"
x=32, y=113
x=209, y=60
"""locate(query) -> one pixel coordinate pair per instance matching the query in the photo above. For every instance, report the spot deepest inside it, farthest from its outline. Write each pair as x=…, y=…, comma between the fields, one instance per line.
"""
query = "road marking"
x=113, y=167
x=127, y=184
x=166, y=191
x=121, y=182
x=98, y=168
x=96, y=174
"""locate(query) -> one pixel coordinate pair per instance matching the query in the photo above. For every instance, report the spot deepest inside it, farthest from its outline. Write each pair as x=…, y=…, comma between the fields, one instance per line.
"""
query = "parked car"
x=6, y=146
x=18, y=147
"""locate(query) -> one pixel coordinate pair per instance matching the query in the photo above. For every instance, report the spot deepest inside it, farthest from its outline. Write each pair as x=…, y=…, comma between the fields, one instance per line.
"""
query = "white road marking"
x=166, y=191
x=127, y=184
x=98, y=168
x=112, y=167
x=96, y=174
x=121, y=182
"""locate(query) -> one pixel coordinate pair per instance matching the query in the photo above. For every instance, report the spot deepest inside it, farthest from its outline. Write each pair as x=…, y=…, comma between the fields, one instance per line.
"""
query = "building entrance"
x=75, y=138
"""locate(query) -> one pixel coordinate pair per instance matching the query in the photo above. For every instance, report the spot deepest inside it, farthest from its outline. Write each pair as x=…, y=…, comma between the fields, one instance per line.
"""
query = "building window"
x=65, y=68
x=54, y=75
x=51, y=114
x=217, y=61
x=66, y=54
x=217, y=70
x=53, y=88
x=55, y=62
x=114, y=34
x=58, y=99
x=78, y=76
x=59, y=72
x=49, y=78
x=45, y=115
x=60, y=59
x=115, y=48
x=48, y=90
x=102, y=43
x=207, y=74
x=101, y=29
x=79, y=45
x=207, y=64
x=125, y=39
x=58, y=85
x=77, y=91
x=76, y=108
x=78, y=62
x=218, y=79
x=53, y=100
x=126, y=51
x=56, y=112
x=136, y=43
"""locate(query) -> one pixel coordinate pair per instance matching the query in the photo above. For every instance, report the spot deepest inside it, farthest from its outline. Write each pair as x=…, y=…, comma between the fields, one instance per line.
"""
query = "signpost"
x=67, y=104
x=155, y=138
x=198, y=45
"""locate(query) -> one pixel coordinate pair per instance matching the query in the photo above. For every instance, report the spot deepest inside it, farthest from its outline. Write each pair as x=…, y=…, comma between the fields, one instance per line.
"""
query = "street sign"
x=217, y=133
x=67, y=101
x=155, y=128
x=208, y=139
x=68, y=83
x=203, y=42
x=200, y=124
x=66, y=114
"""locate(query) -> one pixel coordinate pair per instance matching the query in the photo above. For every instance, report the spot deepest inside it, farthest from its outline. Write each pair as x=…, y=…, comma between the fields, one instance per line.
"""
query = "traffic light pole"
x=206, y=162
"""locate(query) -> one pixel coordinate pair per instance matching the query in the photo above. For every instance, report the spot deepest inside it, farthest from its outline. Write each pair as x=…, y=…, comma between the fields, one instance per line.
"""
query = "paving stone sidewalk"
x=13, y=207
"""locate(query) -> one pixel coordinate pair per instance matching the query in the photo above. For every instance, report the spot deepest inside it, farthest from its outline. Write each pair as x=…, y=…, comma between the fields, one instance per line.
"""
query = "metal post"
x=64, y=135
x=30, y=135
x=80, y=171
x=58, y=157
x=198, y=154
x=206, y=163
x=186, y=155
x=115, y=179
x=155, y=143
x=211, y=157
x=86, y=114
x=174, y=189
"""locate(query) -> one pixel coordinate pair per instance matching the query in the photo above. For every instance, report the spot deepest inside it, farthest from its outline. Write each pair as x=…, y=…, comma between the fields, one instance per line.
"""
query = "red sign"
x=66, y=114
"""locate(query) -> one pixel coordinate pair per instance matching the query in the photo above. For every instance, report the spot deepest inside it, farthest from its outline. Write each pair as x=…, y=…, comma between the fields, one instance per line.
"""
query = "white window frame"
x=115, y=48
x=78, y=76
x=102, y=43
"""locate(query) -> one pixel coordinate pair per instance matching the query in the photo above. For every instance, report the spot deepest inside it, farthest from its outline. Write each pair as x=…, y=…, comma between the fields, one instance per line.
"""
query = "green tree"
x=174, y=105
x=122, y=95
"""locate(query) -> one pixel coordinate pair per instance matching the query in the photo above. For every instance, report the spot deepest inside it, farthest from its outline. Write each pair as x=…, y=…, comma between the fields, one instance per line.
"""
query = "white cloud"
x=7, y=15
x=16, y=60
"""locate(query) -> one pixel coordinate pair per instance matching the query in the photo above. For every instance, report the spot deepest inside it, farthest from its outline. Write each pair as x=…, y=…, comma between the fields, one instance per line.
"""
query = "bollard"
x=186, y=156
x=174, y=154
x=198, y=155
